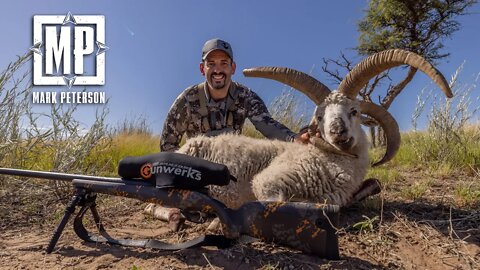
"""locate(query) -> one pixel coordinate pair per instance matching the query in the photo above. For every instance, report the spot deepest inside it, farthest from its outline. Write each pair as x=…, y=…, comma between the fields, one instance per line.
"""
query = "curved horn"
x=303, y=82
x=379, y=62
x=389, y=126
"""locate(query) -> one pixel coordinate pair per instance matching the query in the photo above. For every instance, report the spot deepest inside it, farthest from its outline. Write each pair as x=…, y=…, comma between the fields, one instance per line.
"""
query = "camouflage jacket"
x=227, y=115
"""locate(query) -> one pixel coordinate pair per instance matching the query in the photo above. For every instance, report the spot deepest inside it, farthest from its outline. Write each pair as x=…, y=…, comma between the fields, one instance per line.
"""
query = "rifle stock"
x=303, y=226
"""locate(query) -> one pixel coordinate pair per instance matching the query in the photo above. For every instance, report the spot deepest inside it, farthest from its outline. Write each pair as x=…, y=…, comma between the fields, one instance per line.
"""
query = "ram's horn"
x=379, y=62
x=389, y=126
x=303, y=82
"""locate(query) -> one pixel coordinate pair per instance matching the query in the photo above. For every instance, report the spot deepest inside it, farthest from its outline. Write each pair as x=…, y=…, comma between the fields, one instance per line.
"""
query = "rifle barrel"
x=56, y=175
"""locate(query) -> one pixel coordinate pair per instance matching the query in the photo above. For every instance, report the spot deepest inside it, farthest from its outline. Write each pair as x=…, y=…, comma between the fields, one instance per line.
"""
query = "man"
x=219, y=105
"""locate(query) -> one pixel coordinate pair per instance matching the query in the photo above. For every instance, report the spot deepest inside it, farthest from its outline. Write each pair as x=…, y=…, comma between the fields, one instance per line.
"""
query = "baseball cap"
x=216, y=44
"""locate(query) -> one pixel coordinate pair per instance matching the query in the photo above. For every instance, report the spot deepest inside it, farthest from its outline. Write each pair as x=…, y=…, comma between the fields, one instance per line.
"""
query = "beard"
x=218, y=84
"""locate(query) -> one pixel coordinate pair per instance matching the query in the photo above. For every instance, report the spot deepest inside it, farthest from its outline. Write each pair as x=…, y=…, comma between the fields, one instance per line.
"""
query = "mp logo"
x=65, y=45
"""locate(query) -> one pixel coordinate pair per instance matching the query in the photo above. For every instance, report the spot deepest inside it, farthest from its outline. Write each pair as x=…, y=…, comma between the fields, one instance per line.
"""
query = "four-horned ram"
x=332, y=167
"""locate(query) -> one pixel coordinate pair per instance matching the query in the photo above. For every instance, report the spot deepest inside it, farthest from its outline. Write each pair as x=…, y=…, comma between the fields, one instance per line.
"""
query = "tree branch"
x=397, y=89
x=343, y=63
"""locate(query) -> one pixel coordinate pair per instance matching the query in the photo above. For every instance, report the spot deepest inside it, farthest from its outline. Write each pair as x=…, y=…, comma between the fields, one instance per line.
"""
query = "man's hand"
x=302, y=138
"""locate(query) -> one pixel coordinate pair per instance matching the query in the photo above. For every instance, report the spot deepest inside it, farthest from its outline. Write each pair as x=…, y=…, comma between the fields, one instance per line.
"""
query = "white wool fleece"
x=277, y=170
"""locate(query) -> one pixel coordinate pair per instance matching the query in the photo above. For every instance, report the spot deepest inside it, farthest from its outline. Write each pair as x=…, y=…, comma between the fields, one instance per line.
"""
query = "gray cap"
x=216, y=44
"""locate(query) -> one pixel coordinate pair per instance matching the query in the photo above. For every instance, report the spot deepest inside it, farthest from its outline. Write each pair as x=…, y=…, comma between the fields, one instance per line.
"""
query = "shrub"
x=451, y=140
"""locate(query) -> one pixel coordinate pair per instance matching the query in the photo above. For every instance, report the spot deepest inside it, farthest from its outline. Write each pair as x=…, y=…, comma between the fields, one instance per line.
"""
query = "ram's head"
x=337, y=120
x=338, y=115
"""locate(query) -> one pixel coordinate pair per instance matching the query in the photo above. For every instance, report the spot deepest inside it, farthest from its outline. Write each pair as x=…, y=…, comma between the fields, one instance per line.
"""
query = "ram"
x=333, y=166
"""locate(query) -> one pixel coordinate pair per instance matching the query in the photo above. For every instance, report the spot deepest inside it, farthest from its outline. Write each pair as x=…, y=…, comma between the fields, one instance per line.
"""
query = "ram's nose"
x=338, y=128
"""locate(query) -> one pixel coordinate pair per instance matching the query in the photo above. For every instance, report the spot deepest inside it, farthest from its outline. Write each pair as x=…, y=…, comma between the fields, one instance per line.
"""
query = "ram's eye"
x=353, y=113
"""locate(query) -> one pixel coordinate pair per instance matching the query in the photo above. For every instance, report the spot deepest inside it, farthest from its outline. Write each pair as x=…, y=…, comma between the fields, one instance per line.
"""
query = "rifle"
x=307, y=227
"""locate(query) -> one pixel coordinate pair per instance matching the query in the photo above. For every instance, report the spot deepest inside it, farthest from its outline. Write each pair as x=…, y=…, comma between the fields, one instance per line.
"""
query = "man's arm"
x=258, y=114
x=175, y=125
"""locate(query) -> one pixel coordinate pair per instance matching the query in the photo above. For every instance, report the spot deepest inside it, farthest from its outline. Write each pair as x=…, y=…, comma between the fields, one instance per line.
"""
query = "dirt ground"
x=431, y=232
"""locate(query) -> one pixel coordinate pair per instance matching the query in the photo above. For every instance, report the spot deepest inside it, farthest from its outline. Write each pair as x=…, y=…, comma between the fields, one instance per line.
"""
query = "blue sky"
x=155, y=46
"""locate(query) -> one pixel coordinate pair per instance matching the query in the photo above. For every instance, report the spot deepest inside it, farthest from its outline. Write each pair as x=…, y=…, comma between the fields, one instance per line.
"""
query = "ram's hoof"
x=175, y=220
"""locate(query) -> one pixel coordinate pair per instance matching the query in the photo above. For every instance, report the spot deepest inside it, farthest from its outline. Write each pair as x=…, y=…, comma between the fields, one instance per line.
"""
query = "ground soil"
x=434, y=231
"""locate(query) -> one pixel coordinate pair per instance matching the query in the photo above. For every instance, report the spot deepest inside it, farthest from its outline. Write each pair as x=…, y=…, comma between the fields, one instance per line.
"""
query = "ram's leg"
x=173, y=216
x=287, y=179
x=267, y=189
x=273, y=184
x=369, y=187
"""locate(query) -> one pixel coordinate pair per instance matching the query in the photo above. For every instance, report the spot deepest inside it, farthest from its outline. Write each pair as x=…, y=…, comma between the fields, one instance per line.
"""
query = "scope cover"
x=167, y=169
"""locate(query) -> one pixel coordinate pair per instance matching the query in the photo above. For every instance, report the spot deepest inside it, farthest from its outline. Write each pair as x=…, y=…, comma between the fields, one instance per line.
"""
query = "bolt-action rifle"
x=307, y=227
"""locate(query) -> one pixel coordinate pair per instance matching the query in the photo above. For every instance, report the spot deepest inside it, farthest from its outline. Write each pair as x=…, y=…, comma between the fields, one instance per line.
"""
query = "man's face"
x=218, y=69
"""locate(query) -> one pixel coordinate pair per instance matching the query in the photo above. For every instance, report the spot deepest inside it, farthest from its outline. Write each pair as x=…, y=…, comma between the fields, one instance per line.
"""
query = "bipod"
x=87, y=200
x=83, y=198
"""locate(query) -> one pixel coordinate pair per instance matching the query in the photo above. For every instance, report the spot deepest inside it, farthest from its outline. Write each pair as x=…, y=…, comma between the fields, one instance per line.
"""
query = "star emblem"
x=37, y=48
x=101, y=48
x=69, y=19
x=69, y=81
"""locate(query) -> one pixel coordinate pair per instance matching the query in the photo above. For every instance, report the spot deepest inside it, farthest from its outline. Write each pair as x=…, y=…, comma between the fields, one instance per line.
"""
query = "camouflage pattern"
x=308, y=227
x=184, y=116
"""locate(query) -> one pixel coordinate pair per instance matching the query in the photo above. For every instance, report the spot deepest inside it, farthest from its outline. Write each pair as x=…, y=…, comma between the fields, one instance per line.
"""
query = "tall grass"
x=14, y=92
x=287, y=109
x=121, y=145
x=132, y=126
x=56, y=140
x=451, y=140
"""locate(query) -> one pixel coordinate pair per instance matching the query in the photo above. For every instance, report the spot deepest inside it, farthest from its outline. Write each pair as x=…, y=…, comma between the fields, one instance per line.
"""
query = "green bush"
x=450, y=140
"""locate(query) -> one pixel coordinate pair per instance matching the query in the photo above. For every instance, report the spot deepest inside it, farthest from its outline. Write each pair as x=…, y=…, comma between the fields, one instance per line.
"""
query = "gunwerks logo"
x=69, y=50
x=147, y=170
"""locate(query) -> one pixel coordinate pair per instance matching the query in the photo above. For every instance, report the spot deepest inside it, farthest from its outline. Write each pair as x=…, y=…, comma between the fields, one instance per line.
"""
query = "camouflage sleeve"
x=258, y=114
x=175, y=125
